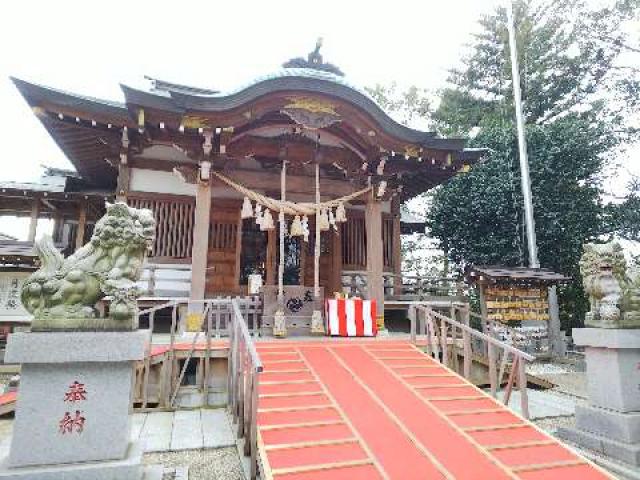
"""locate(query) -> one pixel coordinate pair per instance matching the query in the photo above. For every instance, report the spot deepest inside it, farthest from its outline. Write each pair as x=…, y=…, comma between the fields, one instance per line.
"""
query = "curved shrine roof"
x=89, y=130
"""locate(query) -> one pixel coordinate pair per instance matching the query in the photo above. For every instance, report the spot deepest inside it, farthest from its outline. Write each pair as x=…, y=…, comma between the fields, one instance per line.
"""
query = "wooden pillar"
x=272, y=242
x=238, y=252
x=124, y=174
x=396, y=248
x=336, y=268
x=33, y=223
x=82, y=222
x=58, y=222
x=555, y=333
x=200, y=247
x=303, y=261
x=375, y=281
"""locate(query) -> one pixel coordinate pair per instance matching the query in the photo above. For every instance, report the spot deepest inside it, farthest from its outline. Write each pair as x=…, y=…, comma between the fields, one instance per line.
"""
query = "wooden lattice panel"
x=174, y=225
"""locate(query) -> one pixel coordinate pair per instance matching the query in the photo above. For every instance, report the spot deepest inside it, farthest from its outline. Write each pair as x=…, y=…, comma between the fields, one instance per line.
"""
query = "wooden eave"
x=272, y=94
x=89, y=130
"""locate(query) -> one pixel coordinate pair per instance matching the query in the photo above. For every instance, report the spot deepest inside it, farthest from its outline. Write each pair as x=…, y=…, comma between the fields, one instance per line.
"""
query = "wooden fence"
x=217, y=317
x=244, y=381
x=407, y=287
x=448, y=339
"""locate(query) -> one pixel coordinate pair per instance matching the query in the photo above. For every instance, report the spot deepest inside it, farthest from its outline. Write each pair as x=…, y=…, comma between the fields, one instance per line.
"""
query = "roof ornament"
x=314, y=61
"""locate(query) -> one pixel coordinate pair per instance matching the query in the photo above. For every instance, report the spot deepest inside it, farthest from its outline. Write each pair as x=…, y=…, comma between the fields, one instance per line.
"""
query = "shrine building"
x=237, y=179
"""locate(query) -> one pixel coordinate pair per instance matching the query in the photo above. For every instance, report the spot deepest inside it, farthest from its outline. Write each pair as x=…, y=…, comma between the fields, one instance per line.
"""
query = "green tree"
x=572, y=83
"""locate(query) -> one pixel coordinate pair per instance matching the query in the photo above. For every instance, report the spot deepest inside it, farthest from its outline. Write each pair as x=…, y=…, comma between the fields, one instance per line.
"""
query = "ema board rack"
x=515, y=304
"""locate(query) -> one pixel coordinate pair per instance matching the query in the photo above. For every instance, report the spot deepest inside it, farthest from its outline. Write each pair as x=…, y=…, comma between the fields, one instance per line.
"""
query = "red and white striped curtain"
x=351, y=317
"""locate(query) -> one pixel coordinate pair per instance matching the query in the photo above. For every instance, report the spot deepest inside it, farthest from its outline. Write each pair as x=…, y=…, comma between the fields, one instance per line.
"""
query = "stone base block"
x=612, y=357
x=74, y=401
x=622, y=427
x=129, y=468
x=626, y=452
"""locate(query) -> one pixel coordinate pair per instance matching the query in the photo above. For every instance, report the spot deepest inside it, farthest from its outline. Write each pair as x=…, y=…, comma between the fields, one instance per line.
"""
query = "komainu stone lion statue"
x=613, y=289
x=62, y=294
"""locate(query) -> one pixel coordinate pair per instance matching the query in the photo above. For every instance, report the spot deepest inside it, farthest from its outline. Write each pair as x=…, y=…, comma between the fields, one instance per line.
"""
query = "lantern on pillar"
x=247, y=209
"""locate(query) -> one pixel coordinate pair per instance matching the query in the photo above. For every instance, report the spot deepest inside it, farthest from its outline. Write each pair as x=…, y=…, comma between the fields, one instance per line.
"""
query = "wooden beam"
x=397, y=252
x=336, y=268
x=237, y=265
x=270, y=260
x=33, y=222
x=375, y=281
x=200, y=240
x=124, y=175
x=82, y=221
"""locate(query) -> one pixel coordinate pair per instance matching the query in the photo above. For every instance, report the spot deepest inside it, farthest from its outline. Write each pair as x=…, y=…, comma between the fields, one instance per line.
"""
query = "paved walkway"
x=542, y=403
x=385, y=410
x=183, y=430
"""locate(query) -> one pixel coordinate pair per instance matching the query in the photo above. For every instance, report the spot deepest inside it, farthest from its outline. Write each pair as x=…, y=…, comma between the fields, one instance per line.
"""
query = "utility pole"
x=522, y=143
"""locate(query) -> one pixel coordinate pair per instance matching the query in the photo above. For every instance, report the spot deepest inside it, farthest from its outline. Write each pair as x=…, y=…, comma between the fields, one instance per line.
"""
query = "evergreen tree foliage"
x=578, y=93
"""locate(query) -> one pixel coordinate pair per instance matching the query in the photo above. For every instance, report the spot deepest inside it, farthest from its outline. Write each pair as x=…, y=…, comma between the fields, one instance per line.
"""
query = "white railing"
x=244, y=380
x=219, y=317
x=216, y=319
x=448, y=339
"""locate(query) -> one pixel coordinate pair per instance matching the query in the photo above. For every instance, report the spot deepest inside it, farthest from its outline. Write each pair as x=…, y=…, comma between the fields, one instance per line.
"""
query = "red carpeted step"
x=280, y=366
x=316, y=455
x=396, y=453
x=420, y=362
x=485, y=419
x=297, y=416
x=506, y=436
x=576, y=472
x=434, y=432
x=310, y=386
x=428, y=393
x=418, y=369
x=533, y=455
x=361, y=472
x=306, y=434
x=267, y=355
x=462, y=405
x=266, y=377
x=294, y=401
x=432, y=381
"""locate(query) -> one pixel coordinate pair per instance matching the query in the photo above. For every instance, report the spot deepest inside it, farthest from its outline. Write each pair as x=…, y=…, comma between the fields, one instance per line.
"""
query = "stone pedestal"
x=610, y=424
x=74, y=405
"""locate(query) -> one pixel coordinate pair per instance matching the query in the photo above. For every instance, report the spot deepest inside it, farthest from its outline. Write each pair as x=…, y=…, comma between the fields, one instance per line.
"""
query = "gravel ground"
x=6, y=426
x=567, y=376
x=550, y=424
x=210, y=464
